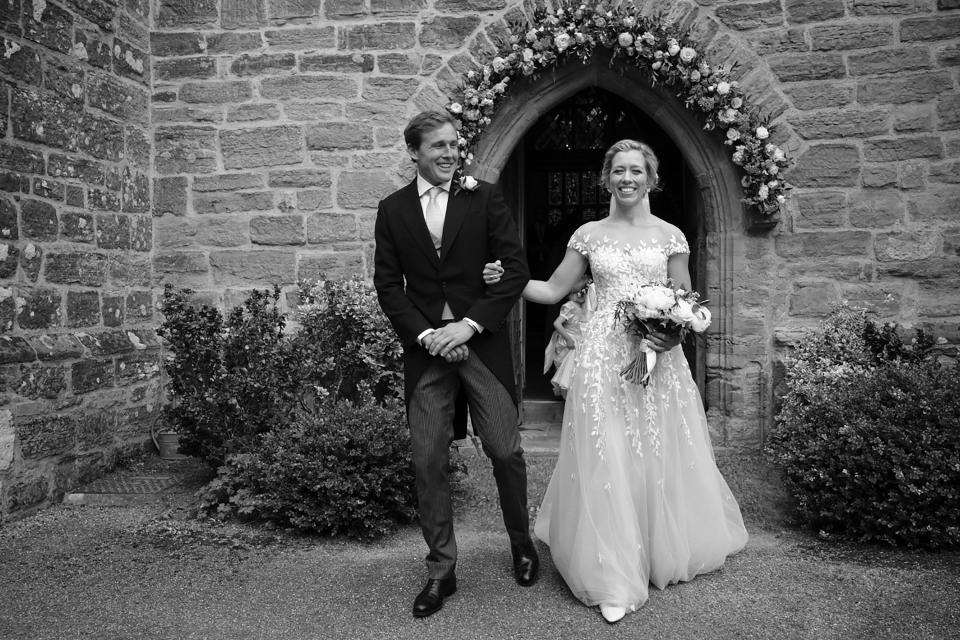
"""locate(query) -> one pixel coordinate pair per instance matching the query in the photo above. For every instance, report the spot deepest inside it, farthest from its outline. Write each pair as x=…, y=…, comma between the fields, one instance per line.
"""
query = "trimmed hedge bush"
x=868, y=434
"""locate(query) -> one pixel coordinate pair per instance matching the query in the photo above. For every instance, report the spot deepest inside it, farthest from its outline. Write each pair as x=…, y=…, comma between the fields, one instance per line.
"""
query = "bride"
x=636, y=497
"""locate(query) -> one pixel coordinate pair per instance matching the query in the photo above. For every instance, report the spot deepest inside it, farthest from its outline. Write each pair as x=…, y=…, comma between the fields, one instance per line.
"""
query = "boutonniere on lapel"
x=463, y=183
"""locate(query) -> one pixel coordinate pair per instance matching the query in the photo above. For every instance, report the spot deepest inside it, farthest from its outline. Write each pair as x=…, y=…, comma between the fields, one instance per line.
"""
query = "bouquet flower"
x=658, y=307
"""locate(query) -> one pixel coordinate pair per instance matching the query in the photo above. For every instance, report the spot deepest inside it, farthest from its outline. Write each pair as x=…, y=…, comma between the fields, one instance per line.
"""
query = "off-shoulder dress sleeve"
x=677, y=244
x=579, y=241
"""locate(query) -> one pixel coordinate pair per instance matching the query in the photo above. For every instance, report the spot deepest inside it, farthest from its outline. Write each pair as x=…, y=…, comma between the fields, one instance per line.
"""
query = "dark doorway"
x=558, y=164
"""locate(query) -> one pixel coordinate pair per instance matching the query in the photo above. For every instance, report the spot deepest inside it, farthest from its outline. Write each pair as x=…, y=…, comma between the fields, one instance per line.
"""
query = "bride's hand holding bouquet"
x=662, y=309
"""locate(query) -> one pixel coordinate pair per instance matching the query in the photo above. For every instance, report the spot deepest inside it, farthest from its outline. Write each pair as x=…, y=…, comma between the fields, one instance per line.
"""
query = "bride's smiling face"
x=628, y=177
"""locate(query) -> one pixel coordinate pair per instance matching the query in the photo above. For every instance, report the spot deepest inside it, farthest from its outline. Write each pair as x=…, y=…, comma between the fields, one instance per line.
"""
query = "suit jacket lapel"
x=412, y=214
x=457, y=208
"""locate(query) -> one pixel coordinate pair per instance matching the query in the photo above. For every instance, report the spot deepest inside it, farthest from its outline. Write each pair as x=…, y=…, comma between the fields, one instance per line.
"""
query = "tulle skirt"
x=636, y=497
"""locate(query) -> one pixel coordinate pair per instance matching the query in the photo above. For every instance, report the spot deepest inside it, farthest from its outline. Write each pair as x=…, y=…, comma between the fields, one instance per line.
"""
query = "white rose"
x=781, y=198
x=723, y=88
x=682, y=312
x=763, y=192
x=694, y=76
x=762, y=133
x=701, y=320
x=531, y=35
x=737, y=102
x=469, y=183
x=733, y=134
x=648, y=37
x=527, y=54
x=673, y=49
x=625, y=39
x=658, y=298
x=779, y=155
x=629, y=22
x=499, y=64
x=561, y=42
x=456, y=108
x=688, y=55
x=656, y=65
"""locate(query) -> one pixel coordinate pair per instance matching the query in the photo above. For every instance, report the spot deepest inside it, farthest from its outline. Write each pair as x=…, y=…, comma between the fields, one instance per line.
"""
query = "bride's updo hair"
x=650, y=162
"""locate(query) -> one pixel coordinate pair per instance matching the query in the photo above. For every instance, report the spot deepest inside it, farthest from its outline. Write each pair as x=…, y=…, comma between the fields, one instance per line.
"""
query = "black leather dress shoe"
x=526, y=564
x=430, y=600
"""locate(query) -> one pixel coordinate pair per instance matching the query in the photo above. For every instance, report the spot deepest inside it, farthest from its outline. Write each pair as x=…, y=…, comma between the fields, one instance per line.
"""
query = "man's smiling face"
x=438, y=156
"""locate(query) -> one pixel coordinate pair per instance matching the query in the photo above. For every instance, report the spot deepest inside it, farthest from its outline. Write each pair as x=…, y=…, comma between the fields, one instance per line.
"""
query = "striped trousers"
x=493, y=415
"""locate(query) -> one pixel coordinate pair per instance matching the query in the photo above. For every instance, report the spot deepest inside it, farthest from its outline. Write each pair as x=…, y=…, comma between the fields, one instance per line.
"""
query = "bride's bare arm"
x=678, y=270
x=561, y=281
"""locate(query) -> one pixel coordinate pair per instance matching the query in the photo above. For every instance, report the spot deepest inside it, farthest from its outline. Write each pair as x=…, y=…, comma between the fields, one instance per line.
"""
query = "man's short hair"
x=423, y=122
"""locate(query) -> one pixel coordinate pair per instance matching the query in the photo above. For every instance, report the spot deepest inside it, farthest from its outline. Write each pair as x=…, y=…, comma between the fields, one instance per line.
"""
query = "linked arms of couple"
x=559, y=285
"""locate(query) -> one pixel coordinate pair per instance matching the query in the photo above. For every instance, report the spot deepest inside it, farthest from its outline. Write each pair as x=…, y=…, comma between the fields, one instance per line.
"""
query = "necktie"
x=433, y=215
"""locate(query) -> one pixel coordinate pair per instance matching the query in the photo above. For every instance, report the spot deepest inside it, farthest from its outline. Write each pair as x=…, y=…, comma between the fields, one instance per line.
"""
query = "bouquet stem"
x=639, y=369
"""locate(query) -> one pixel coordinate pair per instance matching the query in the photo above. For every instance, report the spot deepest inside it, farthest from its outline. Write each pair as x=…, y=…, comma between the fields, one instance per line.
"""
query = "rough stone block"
x=9, y=227
x=139, y=306
x=808, y=66
x=38, y=308
x=66, y=80
x=131, y=62
x=233, y=202
x=387, y=35
x=332, y=63
x=216, y=92
x=813, y=298
x=75, y=196
x=179, y=43
x=948, y=172
x=227, y=231
x=447, y=32
x=826, y=165
x=45, y=119
x=129, y=270
x=49, y=189
x=236, y=268
x=877, y=176
x=406, y=7
x=227, y=182
x=775, y=41
x=916, y=87
x=13, y=182
x=39, y=381
x=324, y=228
x=91, y=46
x=141, y=233
x=44, y=436
x=940, y=27
x=802, y=11
x=934, y=206
x=170, y=196
x=106, y=343
x=90, y=375
x=745, y=16
x=363, y=189
x=345, y=9
x=185, y=150
x=821, y=244
x=263, y=146
x=386, y=89
x=138, y=368
x=299, y=178
x=314, y=199
x=83, y=308
x=948, y=56
x=95, y=429
x=251, y=112
x=850, y=35
x=824, y=125
x=31, y=259
x=55, y=347
x=277, y=230
x=74, y=267
x=242, y=13
x=876, y=208
x=267, y=64
x=103, y=200
x=134, y=192
x=877, y=299
x=948, y=111
x=76, y=227
x=22, y=64
x=339, y=135
x=302, y=38
x=9, y=258
x=287, y=9
x=403, y=64
x=77, y=168
x=113, y=231
x=176, y=13
x=888, y=61
x=48, y=25
x=39, y=220
x=14, y=349
x=460, y=6
x=913, y=118
x=821, y=209
x=20, y=159
x=180, y=262
x=180, y=68
x=112, y=311
x=902, y=148
x=333, y=266
x=906, y=245
x=308, y=88
x=233, y=42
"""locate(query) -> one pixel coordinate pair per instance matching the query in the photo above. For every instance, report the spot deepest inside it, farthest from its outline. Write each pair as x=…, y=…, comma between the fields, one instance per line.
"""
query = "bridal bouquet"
x=663, y=308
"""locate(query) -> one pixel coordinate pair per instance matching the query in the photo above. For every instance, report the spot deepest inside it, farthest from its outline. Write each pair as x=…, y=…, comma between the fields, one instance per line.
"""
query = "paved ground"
x=148, y=570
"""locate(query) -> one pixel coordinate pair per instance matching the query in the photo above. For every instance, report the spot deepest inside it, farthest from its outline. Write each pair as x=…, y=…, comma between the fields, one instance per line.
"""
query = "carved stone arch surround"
x=718, y=185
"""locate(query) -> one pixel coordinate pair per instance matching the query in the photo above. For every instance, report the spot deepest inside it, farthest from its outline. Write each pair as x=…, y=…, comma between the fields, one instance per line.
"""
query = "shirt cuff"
x=473, y=325
x=423, y=335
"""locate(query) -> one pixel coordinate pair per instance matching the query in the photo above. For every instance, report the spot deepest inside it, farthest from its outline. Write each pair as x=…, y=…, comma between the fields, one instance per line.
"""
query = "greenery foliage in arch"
x=667, y=56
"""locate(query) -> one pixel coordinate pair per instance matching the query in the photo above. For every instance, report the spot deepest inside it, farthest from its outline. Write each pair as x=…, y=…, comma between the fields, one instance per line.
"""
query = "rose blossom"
x=687, y=55
x=733, y=134
x=499, y=64
x=762, y=133
x=781, y=198
x=737, y=102
x=701, y=319
x=763, y=192
x=648, y=37
x=527, y=54
x=532, y=35
x=656, y=65
x=625, y=39
x=456, y=108
x=779, y=155
x=694, y=76
x=562, y=41
x=723, y=88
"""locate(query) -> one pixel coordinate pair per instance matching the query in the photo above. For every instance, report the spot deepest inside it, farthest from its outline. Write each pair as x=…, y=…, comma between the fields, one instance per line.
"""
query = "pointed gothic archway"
x=718, y=191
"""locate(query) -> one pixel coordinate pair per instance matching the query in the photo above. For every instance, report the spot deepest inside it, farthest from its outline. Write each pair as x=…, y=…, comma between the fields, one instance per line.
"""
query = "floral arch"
x=631, y=43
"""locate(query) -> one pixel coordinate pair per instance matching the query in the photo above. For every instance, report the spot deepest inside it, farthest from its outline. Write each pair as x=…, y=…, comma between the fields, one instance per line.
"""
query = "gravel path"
x=151, y=572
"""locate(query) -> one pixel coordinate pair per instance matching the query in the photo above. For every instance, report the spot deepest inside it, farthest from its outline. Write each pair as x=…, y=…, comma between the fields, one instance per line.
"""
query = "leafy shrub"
x=869, y=434
x=347, y=343
x=229, y=379
x=345, y=471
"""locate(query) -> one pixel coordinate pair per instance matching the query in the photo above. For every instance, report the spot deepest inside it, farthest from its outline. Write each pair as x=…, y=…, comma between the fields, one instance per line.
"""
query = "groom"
x=433, y=238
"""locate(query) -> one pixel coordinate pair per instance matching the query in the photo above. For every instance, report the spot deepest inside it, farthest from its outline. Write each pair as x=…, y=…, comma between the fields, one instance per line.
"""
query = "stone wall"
x=78, y=354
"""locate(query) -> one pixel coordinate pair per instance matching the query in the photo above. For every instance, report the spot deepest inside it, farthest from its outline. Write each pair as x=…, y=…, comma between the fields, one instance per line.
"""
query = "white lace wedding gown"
x=636, y=497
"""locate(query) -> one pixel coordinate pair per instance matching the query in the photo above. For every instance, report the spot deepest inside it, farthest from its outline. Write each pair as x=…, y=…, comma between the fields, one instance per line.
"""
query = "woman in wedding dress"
x=636, y=497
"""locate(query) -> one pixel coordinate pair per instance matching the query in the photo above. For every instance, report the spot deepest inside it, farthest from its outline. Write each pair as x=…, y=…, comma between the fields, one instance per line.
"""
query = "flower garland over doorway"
x=667, y=56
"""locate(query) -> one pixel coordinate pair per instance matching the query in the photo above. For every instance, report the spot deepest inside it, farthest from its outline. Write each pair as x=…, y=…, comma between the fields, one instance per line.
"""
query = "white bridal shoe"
x=611, y=613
